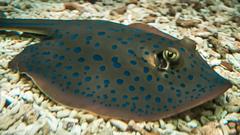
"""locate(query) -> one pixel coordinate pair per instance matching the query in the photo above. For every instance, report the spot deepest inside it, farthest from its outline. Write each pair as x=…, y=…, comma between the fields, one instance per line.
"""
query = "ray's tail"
x=37, y=26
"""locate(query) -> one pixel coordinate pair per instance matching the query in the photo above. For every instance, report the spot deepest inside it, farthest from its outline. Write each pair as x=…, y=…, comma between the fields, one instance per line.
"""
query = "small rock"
x=236, y=35
x=212, y=128
x=231, y=124
x=62, y=114
x=204, y=120
x=119, y=124
x=182, y=126
x=193, y=124
x=170, y=126
x=28, y=96
x=214, y=62
x=106, y=131
x=4, y=2
x=162, y=124
x=232, y=108
x=218, y=111
x=234, y=60
x=132, y=1
x=86, y=117
x=2, y=101
x=217, y=45
x=235, y=117
x=207, y=113
x=187, y=23
x=227, y=66
x=120, y=10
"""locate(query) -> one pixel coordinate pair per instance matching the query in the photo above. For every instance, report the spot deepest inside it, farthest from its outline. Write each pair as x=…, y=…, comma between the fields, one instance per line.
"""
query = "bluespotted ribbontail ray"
x=127, y=72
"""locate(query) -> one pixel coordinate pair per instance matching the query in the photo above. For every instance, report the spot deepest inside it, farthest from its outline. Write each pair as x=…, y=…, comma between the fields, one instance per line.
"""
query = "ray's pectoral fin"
x=188, y=43
x=151, y=29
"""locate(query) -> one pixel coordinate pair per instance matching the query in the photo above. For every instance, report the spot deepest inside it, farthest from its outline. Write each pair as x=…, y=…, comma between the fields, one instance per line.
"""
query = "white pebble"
x=28, y=96
x=63, y=113
x=119, y=124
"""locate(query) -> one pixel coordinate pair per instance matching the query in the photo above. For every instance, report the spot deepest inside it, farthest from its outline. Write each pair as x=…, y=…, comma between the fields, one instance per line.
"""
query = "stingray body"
x=115, y=70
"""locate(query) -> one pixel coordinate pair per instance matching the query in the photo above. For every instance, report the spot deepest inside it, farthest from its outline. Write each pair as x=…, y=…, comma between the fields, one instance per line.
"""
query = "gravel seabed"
x=213, y=24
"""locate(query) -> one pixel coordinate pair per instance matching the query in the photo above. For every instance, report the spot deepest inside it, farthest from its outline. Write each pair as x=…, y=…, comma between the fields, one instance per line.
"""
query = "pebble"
x=62, y=114
x=119, y=124
x=86, y=117
x=106, y=131
x=162, y=124
x=218, y=111
x=236, y=35
x=232, y=108
x=170, y=126
x=28, y=96
x=204, y=120
x=234, y=60
x=2, y=101
x=182, y=126
x=187, y=22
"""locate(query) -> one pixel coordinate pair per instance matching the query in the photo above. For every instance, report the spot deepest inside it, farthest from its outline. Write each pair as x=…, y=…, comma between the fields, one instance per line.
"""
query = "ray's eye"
x=171, y=54
x=168, y=57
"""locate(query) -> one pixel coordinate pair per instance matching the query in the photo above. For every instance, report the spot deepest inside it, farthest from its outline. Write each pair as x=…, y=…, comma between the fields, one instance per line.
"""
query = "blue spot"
x=136, y=78
x=133, y=62
x=117, y=65
x=131, y=52
x=69, y=83
x=119, y=81
x=131, y=88
x=101, y=33
x=77, y=91
x=97, y=45
x=124, y=42
x=88, y=78
x=126, y=73
x=183, y=85
x=145, y=69
x=61, y=57
x=106, y=82
x=77, y=49
x=79, y=83
x=158, y=100
x=182, y=49
x=124, y=96
x=190, y=77
x=125, y=104
x=156, y=46
x=141, y=88
x=149, y=77
x=105, y=96
x=135, y=98
x=146, y=53
x=89, y=38
x=81, y=59
x=68, y=67
x=114, y=99
x=46, y=53
x=58, y=65
x=160, y=88
x=75, y=74
x=97, y=57
x=114, y=47
x=148, y=97
x=113, y=91
x=114, y=59
x=170, y=100
x=102, y=68
x=74, y=36
x=86, y=68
